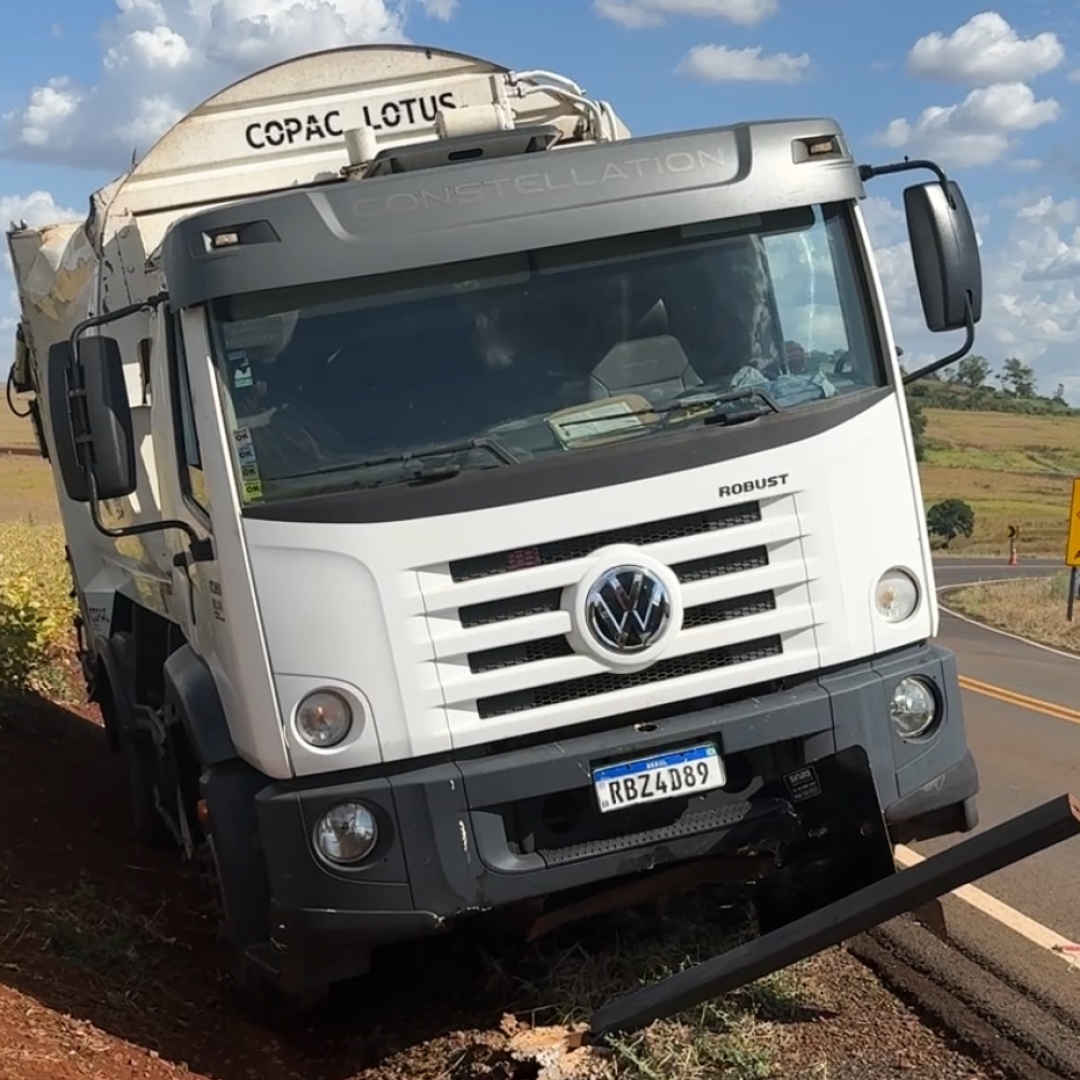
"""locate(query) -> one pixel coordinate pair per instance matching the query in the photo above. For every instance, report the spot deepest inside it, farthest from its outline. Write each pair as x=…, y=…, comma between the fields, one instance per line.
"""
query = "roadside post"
x=1014, y=534
x=1072, y=549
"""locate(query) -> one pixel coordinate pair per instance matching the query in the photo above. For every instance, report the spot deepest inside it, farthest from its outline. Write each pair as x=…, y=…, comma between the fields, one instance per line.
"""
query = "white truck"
x=470, y=505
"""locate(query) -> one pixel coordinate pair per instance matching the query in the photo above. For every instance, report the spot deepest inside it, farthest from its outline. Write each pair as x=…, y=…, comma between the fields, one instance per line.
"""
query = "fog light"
x=896, y=595
x=323, y=719
x=346, y=834
x=913, y=709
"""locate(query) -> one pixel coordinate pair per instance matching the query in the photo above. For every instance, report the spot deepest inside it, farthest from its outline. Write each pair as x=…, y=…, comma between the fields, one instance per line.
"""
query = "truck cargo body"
x=530, y=519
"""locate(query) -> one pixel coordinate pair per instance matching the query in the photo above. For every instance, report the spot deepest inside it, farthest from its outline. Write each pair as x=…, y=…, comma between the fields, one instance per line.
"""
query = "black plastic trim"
x=190, y=686
x=575, y=472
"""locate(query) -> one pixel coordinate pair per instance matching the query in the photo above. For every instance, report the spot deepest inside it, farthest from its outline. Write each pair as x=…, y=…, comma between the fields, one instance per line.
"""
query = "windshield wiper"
x=707, y=400
x=767, y=404
x=420, y=461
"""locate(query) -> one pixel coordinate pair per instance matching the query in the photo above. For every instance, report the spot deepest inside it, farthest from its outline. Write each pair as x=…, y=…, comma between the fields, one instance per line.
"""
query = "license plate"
x=664, y=776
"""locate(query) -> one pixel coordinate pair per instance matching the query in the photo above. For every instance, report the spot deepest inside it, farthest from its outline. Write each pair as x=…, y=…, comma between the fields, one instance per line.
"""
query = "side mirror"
x=59, y=377
x=21, y=382
x=91, y=429
x=108, y=415
x=946, y=254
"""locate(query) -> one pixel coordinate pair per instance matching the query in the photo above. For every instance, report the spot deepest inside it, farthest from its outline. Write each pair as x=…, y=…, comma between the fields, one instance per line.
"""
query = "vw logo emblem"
x=627, y=609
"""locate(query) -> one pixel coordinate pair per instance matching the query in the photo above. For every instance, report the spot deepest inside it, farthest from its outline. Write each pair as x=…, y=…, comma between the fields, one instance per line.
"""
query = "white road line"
x=1009, y=917
x=1015, y=920
x=993, y=629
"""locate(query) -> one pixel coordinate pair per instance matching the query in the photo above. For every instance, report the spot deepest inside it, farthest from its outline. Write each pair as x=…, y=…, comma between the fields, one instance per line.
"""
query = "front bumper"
x=483, y=831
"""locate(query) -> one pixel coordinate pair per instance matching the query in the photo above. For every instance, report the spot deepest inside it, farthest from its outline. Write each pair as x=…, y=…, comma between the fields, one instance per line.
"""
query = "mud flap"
x=862, y=910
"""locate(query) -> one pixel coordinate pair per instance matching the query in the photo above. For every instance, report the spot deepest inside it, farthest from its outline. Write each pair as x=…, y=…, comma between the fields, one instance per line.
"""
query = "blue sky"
x=990, y=91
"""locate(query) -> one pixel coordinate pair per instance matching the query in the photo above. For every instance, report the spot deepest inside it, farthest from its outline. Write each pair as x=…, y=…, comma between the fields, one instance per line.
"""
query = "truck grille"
x=518, y=607
x=590, y=686
x=529, y=652
x=501, y=636
x=504, y=562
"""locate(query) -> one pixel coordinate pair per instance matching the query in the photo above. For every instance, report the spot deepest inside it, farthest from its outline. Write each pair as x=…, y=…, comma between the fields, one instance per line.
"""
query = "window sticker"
x=250, y=480
x=242, y=375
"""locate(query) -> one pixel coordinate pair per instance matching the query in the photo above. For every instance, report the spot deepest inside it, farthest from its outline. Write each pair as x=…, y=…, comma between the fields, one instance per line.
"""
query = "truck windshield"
x=421, y=375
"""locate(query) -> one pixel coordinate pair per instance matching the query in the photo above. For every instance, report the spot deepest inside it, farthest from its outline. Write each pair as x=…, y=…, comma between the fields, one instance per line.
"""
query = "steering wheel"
x=844, y=364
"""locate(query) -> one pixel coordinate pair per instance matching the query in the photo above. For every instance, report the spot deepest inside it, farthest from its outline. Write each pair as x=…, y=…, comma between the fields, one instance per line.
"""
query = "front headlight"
x=896, y=595
x=914, y=708
x=346, y=834
x=323, y=719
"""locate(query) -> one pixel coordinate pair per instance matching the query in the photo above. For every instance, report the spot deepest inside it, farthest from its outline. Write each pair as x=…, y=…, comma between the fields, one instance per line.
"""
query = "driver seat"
x=652, y=363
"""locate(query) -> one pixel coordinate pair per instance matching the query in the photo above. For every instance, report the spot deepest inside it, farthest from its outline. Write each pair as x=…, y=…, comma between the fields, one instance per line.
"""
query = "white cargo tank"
x=320, y=118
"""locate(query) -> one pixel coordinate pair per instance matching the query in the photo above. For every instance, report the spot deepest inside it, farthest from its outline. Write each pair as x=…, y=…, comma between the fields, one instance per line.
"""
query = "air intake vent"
x=693, y=664
x=504, y=562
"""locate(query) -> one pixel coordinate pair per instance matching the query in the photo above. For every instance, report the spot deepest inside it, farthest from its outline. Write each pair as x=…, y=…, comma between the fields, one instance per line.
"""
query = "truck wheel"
x=265, y=1003
x=145, y=821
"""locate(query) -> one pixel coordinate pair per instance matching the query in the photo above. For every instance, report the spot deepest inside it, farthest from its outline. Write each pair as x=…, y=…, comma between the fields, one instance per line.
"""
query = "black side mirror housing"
x=108, y=415
x=60, y=375
x=946, y=255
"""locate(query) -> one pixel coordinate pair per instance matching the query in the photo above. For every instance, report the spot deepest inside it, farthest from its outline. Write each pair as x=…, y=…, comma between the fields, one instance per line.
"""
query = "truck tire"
x=263, y=1002
x=146, y=823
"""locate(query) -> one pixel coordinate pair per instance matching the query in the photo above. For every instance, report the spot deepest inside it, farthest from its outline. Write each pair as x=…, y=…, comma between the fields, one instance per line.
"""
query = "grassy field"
x=26, y=487
x=1011, y=469
x=1031, y=607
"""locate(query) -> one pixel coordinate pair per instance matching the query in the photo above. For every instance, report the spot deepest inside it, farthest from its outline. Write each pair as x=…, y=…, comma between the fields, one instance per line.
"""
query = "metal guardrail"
x=982, y=854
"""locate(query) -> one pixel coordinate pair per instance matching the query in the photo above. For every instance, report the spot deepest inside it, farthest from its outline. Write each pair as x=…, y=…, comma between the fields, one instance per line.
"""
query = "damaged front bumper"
x=815, y=782
x=862, y=910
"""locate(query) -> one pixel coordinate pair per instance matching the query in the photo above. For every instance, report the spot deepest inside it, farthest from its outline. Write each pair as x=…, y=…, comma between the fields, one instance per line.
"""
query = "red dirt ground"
x=109, y=967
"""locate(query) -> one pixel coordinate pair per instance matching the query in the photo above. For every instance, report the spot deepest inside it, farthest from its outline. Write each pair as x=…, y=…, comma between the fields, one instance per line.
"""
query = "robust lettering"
x=749, y=486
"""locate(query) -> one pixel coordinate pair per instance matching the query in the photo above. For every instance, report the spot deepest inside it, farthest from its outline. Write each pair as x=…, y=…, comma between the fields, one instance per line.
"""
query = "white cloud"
x=37, y=208
x=159, y=47
x=440, y=9
x=717, y=63
x=48, y=108
x=161, y=57
x=986, y=49
x=640, y=14
x=1031, y=288
x=978, y=131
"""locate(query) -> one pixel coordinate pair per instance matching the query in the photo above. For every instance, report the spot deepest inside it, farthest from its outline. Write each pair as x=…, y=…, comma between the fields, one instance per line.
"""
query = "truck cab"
x=471, y=505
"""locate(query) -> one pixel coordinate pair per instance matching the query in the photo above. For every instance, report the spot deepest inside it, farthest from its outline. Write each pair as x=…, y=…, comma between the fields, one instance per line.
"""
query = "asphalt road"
x=1025, y=756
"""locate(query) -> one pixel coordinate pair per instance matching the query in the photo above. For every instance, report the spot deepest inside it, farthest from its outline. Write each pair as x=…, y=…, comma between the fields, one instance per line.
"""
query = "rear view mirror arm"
x=199, y=549
x=868, y=172
x=151, y=303
x=935, y=365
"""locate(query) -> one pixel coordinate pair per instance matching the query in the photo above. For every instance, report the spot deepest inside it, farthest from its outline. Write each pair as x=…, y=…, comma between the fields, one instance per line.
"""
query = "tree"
x=972, y=372
x=1059, y=393
x=918, y=427
x=1019, y=377
x=950, y=519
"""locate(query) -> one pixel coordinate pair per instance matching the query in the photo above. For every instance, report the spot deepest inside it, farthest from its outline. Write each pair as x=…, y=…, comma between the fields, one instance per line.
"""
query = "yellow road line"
x=1011, y=697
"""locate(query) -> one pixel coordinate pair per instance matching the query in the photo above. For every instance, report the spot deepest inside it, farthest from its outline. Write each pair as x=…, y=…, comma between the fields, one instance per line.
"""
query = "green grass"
x=725, y=1039
x=1034, y=608
x=15, y=431
x=1012, y=469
